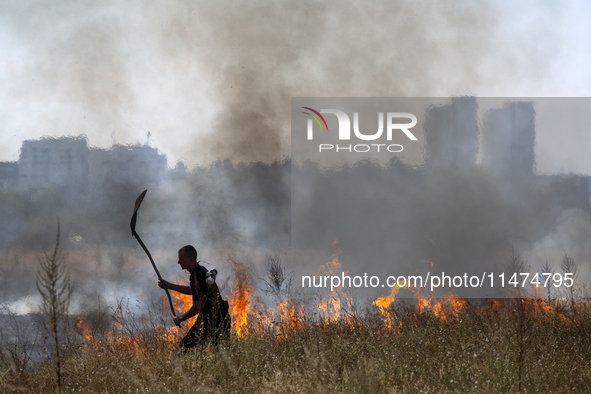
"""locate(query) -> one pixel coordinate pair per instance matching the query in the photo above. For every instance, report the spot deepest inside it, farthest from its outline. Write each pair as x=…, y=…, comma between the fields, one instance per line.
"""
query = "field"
x=442, y=346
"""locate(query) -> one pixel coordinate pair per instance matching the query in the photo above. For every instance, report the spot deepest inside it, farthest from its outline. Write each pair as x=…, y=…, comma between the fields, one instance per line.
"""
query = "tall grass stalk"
x=53, y=283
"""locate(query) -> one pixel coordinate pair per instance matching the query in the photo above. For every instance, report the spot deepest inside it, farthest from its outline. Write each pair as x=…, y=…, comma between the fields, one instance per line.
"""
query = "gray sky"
x=214, y=79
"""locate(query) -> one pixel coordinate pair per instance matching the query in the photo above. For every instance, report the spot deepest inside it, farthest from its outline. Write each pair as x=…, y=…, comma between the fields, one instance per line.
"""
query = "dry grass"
x=482, y=350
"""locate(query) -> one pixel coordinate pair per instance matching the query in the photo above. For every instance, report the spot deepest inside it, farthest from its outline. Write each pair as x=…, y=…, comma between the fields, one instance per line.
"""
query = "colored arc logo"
x=316, y=118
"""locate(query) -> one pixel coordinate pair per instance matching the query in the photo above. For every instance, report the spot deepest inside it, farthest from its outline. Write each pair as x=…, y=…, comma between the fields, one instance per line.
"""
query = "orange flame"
x=331, y=302
x=291, y=315
x=112, y=338
x=447, y=308
x=443, y=308
x=240, y=299
x=181, y=303
x=331, y=307
x=84, y=329
x=384, y=302
x=170, y=335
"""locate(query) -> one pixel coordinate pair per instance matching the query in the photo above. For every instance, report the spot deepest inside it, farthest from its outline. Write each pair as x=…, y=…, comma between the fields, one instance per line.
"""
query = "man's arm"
x=174, y=287
x=195, y=309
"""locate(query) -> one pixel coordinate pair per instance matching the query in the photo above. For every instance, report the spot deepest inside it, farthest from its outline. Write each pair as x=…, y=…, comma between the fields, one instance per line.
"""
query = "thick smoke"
x=454, y=214
x=213, y=81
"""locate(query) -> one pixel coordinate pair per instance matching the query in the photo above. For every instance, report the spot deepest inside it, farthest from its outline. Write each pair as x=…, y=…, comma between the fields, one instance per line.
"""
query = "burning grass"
x=425, y=345
x=440, y=346
x=240, y=301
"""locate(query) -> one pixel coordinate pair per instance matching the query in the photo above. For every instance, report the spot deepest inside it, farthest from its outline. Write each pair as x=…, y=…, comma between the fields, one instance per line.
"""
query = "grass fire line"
x=489, y=345
x=441, y=331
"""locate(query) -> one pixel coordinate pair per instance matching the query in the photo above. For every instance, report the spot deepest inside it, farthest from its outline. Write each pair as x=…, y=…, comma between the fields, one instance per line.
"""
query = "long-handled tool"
x=138, y=202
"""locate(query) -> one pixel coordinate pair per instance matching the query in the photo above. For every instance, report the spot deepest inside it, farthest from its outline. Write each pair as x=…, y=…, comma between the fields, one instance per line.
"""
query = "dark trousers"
x=207, y=330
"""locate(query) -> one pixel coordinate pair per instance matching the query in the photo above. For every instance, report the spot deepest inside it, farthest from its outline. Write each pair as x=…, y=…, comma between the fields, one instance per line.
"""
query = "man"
x=213, y=322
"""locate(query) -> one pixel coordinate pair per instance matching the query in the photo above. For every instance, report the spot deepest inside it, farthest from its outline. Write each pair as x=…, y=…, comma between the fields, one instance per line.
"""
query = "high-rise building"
x=8, y=175
x=509, y=141
x=53, y=161
x=70, y=163
x=127, y=163
x=451, y=133
x=123, y=168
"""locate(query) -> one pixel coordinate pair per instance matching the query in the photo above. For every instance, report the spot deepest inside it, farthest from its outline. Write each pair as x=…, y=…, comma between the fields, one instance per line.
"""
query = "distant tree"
x=278, y=281
x=21, y=348
x=568, y=265
x=53, y=283
x=520, y=317
x=546, y=269
x=515, y=266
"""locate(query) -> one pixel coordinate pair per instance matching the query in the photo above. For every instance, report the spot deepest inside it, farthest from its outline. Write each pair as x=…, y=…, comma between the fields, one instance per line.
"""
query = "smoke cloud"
x=211, y=83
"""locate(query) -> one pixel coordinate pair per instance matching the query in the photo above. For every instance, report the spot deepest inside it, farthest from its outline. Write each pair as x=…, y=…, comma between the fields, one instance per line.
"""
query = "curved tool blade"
x=138, y=202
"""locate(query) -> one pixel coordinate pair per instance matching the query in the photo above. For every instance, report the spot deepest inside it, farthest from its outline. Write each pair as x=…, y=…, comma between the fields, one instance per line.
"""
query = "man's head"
x=187, y=257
